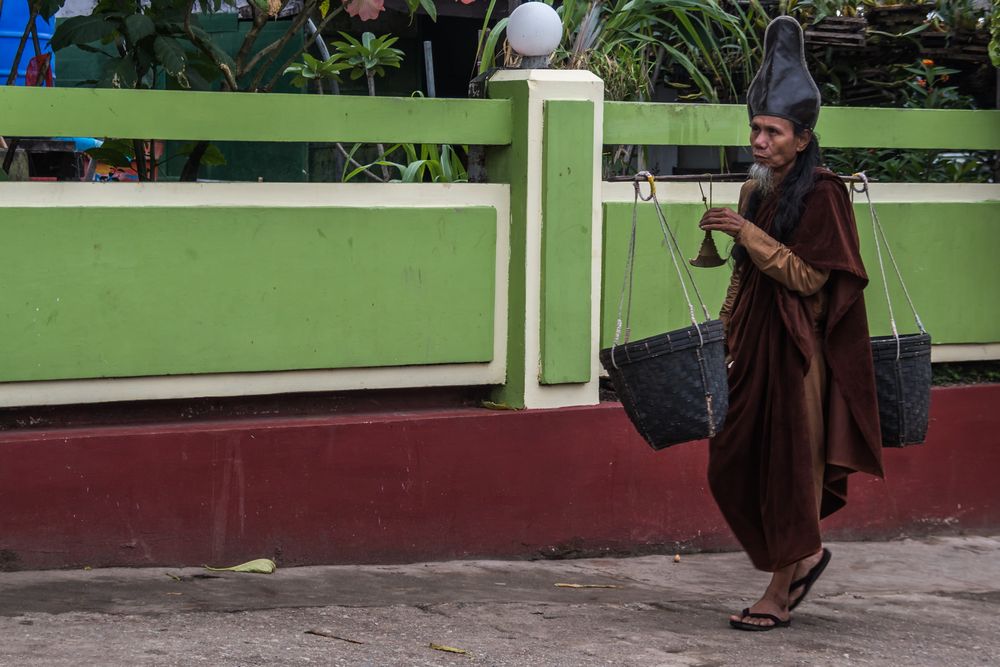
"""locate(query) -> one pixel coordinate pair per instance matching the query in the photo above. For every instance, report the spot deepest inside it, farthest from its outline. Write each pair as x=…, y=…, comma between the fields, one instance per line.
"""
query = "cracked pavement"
x=927, y=601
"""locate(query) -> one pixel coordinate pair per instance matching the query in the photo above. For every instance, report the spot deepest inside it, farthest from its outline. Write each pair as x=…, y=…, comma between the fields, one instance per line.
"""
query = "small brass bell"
x=708, y=254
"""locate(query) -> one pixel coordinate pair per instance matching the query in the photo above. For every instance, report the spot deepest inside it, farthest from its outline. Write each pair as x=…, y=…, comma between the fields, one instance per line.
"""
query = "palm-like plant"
x=314, y=69
x=368, y=56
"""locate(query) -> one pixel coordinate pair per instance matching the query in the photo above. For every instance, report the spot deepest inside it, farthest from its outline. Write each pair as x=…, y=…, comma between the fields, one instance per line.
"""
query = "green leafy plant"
x=921, y=85
x=146, y=43
x=695, y=46
x=489, y=38
x=427, y=5
x=139, y=42
x=426, y=162
x=901, y=165
x=926, y=89
x=368, y=57
x=313, y=69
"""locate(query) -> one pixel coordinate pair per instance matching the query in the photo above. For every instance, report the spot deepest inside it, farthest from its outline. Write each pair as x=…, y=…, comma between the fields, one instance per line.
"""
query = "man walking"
x=803, y=412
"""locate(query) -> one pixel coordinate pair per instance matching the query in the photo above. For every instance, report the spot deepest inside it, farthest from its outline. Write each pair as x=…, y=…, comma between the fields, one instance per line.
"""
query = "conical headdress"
x=783, y=86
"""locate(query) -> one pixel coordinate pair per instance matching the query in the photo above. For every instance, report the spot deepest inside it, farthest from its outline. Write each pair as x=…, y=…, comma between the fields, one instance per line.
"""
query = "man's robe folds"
x=761, y=468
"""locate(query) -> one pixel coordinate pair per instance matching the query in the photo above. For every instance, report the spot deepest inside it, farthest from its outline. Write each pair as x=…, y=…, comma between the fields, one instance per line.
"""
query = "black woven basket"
x=902, y=363
x=673, y=385
x=903, y=383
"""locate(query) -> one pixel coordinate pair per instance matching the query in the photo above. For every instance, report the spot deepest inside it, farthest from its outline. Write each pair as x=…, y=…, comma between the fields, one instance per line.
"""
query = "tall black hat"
x=783, y=86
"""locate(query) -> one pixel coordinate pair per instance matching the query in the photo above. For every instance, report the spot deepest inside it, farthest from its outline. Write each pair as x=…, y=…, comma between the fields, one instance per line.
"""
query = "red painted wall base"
x=433, y=485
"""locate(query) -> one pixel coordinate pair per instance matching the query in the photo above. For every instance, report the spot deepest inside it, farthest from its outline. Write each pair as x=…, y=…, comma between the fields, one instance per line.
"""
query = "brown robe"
x=802, y=407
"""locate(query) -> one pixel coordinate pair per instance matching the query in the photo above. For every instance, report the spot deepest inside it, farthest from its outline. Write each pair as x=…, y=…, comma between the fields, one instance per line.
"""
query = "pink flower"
x=366, y=10
x=465, y=2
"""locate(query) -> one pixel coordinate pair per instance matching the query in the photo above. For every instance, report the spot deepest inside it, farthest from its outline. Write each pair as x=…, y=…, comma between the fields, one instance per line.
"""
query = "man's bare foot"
x=773, y=603
x=765, y=605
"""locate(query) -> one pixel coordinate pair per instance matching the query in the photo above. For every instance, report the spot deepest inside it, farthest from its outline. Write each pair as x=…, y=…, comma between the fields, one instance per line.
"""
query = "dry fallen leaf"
x=258, y=566
x=587, y=586
x=448, y=649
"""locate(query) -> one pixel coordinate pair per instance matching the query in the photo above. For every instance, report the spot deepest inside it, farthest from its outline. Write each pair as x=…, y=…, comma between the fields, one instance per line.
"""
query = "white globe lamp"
x=534, y=31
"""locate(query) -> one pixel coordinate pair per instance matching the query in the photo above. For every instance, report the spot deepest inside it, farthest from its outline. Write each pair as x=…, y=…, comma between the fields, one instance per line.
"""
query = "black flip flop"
x=775, y=622
x=807, y=581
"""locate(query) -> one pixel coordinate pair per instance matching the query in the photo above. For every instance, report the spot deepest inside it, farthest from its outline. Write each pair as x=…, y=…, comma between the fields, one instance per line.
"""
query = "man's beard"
x=763, y=176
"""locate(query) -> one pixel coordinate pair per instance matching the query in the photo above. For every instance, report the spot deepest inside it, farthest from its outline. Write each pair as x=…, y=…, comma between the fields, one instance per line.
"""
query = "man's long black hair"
x=792, y=192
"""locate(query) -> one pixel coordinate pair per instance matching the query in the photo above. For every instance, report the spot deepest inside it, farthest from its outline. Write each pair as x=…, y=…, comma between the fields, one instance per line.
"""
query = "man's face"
x=774, y=142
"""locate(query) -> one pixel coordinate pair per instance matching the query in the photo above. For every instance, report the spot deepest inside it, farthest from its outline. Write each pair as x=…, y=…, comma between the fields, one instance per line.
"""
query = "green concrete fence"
x=161, y=290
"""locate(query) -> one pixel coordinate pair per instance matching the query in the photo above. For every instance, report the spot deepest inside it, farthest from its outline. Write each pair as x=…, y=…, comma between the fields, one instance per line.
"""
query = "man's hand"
x=722, y=220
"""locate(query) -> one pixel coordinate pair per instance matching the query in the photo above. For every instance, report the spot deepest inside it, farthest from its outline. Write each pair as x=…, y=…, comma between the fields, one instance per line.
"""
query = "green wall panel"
x=173, y=114
x=947, y=255
x=110, y=292
x=727, y=125
x=946, y=252
x=567, y=212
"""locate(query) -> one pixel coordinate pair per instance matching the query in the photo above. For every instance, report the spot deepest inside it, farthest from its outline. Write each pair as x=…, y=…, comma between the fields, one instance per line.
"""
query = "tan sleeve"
x=776, y=261
x=727, y=305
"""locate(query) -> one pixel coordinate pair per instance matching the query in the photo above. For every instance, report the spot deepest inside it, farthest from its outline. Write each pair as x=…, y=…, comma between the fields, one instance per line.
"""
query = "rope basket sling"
x=673, y=385
x=902, y=361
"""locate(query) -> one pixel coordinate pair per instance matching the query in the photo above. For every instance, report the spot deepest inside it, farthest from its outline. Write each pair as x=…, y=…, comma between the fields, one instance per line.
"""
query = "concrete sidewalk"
x=932, y=601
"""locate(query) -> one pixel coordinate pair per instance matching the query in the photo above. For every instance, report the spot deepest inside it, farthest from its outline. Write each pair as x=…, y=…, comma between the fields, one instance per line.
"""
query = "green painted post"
x=509, y=164
x=567, y=204
x=554, y=175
